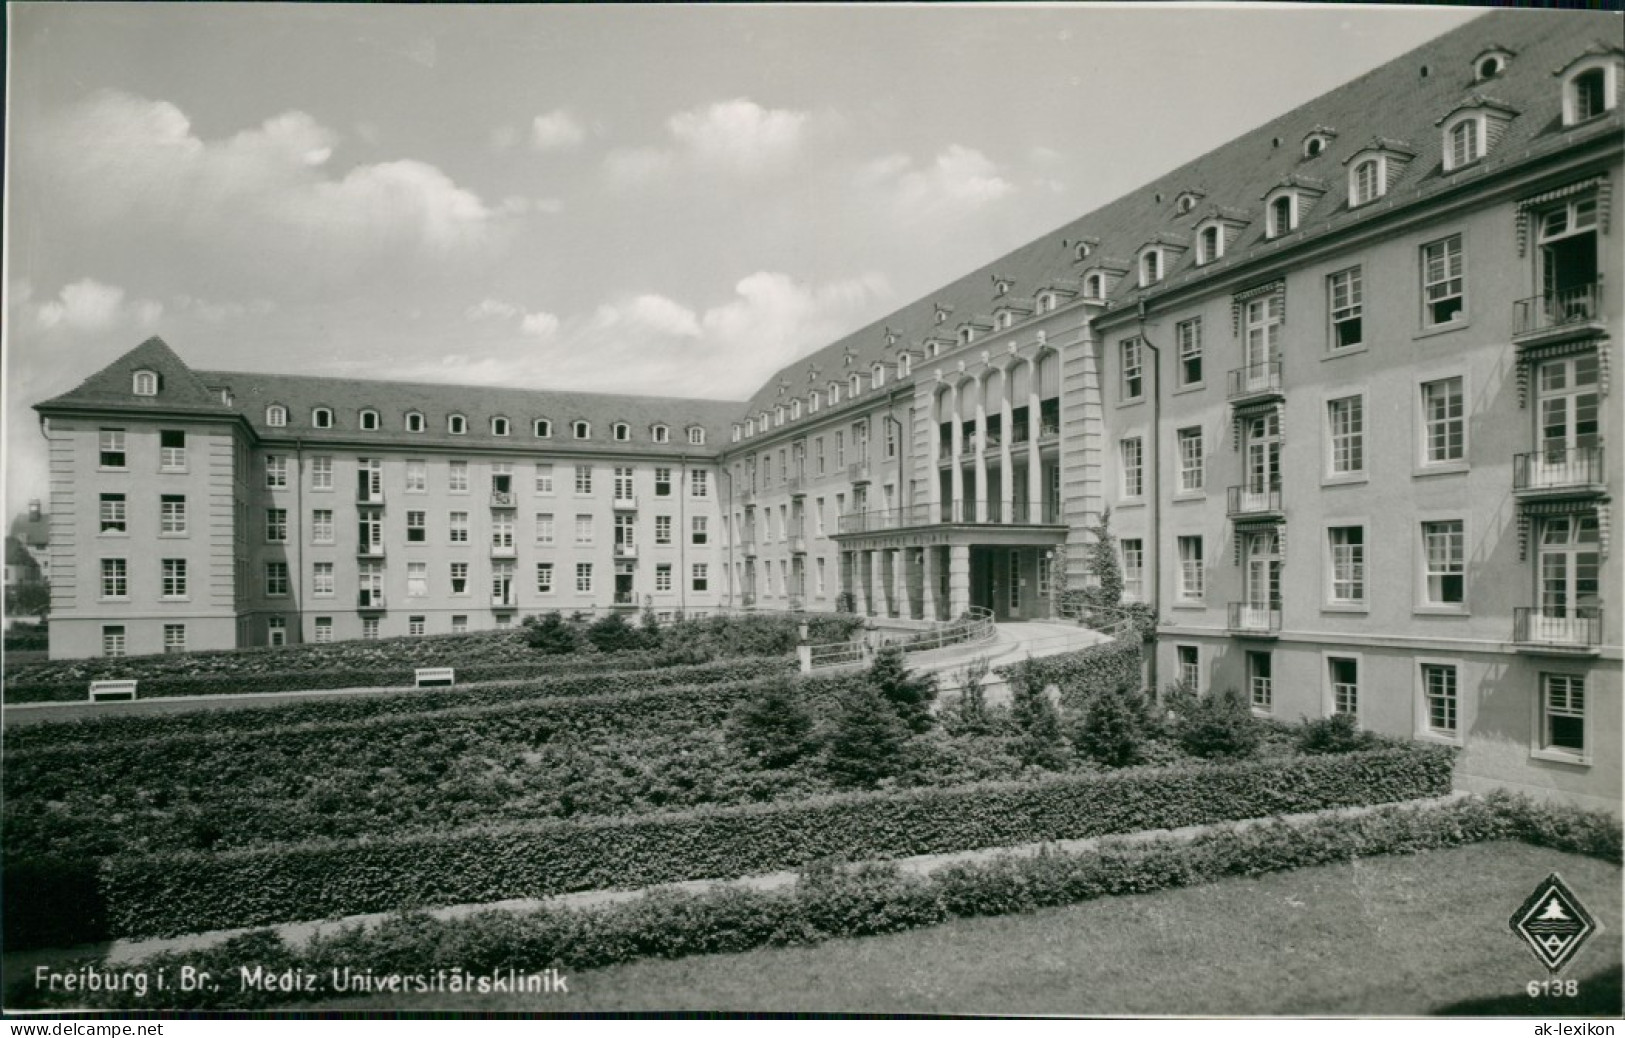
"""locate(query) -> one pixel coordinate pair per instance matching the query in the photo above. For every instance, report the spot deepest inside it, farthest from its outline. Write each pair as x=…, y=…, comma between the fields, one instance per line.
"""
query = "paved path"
x=299, y=932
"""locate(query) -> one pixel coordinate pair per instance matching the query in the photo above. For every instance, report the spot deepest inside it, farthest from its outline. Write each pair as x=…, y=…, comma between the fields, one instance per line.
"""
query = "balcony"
x=500, y=550
x=857, y=473
x=798, y=544
x=1572, y=312
x=365, y=496
x=747, y=546
x=627, y=502
x=1254, y=384
x=1246, y=502
x=1252, y=620
x=1559, y=472
x=1022, y=513
x=1561, y=629
x=503, y=499
x=626, y=551
x=370, y=550
x=508, y=601
x=367, y=599
x=625, y=599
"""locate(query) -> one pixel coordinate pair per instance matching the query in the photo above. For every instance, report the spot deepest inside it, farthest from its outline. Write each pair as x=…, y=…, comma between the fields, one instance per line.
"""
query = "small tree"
x=908, y=693
x=611, y=633
x=865, y=740
x=775, y=729
x=970, y=715
x=29, y=598
x=1111, y=730
x=551, y=635
x=1101, y=563
x=649, y=629
x=1039, y=740
x=1339, y=733
x=1219, y=725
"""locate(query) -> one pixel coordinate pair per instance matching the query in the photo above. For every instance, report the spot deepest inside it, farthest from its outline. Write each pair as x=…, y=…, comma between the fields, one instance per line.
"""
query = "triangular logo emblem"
x=1554, y=923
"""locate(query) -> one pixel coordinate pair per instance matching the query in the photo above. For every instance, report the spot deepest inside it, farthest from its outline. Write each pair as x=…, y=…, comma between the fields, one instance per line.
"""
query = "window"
x=417, y=527
x=1094, y=286
x=1444, y=429
x=499, y=426
x=1347, y=547
x=113, y=640
x=173, y=578
x=1442, y=281
x=417, y=477
x=581, y=430
x=1260, y=687
x=1463, y=143
x=1444, y=553
x=622, y=432
x=701, y=579
x=502, y=532
x=1191, y=574
x=583, y=529
x=276, y=630
x=111, y=444
x=145, y=383
x=1347, y=306
x=583, y=479
x=276, y=526
x=1281, y=216
x=544, y=578
x=276, y=416
x=457, y=527
x=322, y=418
x=369, y=628
x=321, y=579
x=699, y=483
x=1190, y=666
x=1365, y=183
x=1262, y=330
x=171, y=450
x=584, y=577
x=699, y=533
x=662, y=529
x=1192, y=466
x=542, y=428
x=1568, y=568
x=1439, y=697
x=544, y=527
x=1188, y=334
x=1343, y=674
x=1209, y=244
x=276, y=471
x=1150, y=268
x=1587, y=95
x=459, y=578
x=321, y=473
x=172, y=515
x=415, y=626
x=414, y=422
x=417, y=580
x=276, y=579
x=1562, y=708
x=174, y=637
x=459, y=623
x=1133, y=550
x=1313, y=145
x=544, y=477
x=113, y=518
x=369, y=420
x=1133, y=369
x=1345, y=426
x=1133, y=473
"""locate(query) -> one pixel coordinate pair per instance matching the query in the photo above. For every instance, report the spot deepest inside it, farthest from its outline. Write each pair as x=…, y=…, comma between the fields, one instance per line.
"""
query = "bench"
x=111, y=691
x=431, y=677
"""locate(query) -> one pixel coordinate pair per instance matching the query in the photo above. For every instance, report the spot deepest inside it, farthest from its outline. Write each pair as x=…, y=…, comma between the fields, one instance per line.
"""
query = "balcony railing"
x=1254, y=618
x=1575, y=305
x=626, y=598
x=1253, y=500
x=747, y=544
x=367, y=599
x=798, y=544
x=1557, y=627
x=370, y=550
x=1022, y=513
x=627, y=502
x=795, y=485
x=508, y=601
x=1558, y=469
x=1254, y=380
x=858, y=472
x=369, y=497
x=502, y=499
x=502, y=551
x=626, y=551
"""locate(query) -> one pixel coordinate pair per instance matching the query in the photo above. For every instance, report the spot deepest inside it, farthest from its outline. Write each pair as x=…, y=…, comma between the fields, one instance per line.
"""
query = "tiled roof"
x=179, y=388
x=1395, y=101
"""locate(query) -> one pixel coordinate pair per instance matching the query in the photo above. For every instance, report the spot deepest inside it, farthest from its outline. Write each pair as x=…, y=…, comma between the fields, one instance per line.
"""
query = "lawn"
x=1412, y=935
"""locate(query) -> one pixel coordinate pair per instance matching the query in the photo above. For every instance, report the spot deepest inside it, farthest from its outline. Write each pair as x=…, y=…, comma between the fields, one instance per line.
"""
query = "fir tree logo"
x=1553, y=923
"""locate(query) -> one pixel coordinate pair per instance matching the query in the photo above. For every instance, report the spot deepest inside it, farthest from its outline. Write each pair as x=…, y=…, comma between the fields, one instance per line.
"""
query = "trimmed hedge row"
x=176, y=893
x=832, y=903
x=126, y=727
x=1082, y=674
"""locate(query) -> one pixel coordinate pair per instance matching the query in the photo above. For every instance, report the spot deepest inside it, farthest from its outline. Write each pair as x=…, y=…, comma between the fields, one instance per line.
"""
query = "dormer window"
x=966, y=336
x=542, y=428
x=812, y=402
x=414, y=421
x=1375, y=168
x=322, y=418
x=778, y=413
x=1313, y=145
x=1080, y=251
x=1001, y=286
x=145, y=383
x=877, y=375
x=1464, y=146
x=1364, y=183
x=1094, y=286
x=1046, y=302
x=369, y=420
x=854, y=386
x=1472, y=129
x=621, y=431
x=1209, y=244
x=905, y=365
x=736, y=432
x=1186, y=202
x=1004, y=319
x=456, y=424
x=499, y=426
x=1590, y=86
x=795, y=409
x=660, y=434
x=834, y=393
x=1150, y=267
x=1489, y=67
x=1281, y=216
x=750, y=427
x=276, y=416
x=581, y=430
x=696, y=436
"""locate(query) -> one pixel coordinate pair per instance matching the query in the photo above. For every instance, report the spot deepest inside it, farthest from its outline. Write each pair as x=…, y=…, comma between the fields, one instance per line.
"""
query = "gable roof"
x=179, y=388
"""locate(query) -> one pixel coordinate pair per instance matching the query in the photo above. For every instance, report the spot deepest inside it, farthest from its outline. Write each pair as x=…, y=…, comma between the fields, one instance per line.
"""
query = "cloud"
x=630, y=167
x=556, y=131
x=958, y=182
x=487, y=309
x=504, y=138
x=539, y=324
x=737, y=137
x=88, y=305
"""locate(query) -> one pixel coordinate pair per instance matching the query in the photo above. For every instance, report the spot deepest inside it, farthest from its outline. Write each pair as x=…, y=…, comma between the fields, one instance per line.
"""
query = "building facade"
x=1341, y=384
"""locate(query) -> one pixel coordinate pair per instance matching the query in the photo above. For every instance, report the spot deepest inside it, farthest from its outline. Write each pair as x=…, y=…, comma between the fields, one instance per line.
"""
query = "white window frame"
x=583, y=583
x=1131, y=357
x=174, y=638
x=1188, y=337
x=1133, y=575
x=1361, y=193
x=1454, y=158
x=321, y=473
x=1423, y=728
x=1251, y=677
x=457, y=425
x=1131, y=462
x=173, y=585
x=1191, y=588
x=1540, y=748
x=415, y=422
x=321, y=418
x=1194, y=675
x=1272, y=225
x=172, y=515
x=457, y=477
x=1152, y=268
x=1192, y=464
x=1427, y=423
x=1609, y=67
x=1329, y=693
x=370, y=420
x=457, y=527
x=1345, y=304
x=144, y=383
x=1352, y=441
x=457, y=576
x=276, y=416
x=323, y=582
x=1425, y=602
x=1358, y=579
x=1454, y=272
x=500, y=426
x=544, y=578
x=542, y=429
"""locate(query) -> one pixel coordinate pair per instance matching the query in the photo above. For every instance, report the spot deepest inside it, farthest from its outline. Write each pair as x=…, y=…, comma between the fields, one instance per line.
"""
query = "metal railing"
x=367, y=599
x=1576, y=304
x=626, y=502
x=373, y=550
x=1574, y=627
x=626, y=551
x=508, y=601
x=625, y=598
x=1557, y=468
x=1254, y=380
x=1022, y=513
x=1253, y=500
x=858, y=472
x=975, y=626
x=503, y=551
x=1252, y=618
x=502, y=499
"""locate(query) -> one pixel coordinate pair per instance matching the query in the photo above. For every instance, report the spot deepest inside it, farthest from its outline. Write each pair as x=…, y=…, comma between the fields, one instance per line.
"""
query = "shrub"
x=611, y=633
x=1339, y=733
x=969, y=714
x=864, y=740
x=550, y=634
x=1100, y=562
x=1038, y=738
x=775, y=728
x=1080, y=675
x=1219, y=725
x=1110, y=730
x=908, y=693
x=649, y=629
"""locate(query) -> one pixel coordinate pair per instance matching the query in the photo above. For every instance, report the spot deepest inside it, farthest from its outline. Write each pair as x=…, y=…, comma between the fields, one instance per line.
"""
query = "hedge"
x=830, y=903
x=1082, y=674
x=180, y=892
x=125, y=727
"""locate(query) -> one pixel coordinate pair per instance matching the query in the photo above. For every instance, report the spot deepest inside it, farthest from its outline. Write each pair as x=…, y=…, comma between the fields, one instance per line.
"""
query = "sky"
x=672, y=200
